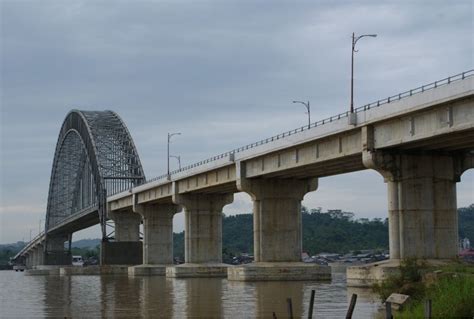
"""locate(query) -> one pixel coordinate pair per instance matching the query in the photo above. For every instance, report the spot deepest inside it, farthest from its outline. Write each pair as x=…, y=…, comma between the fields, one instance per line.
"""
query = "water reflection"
x=156, y=297
x=204, y=297
x=271, y=297
x=160, y=297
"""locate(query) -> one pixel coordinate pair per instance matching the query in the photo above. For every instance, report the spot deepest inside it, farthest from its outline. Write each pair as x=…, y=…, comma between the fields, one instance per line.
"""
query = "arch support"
x=95, y=157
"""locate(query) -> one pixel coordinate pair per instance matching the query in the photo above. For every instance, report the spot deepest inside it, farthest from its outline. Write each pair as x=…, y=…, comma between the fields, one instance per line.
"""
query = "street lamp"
x=306, y=104
x=179, y=160
x=39, y=228
x=170, y=135
x=354, y=41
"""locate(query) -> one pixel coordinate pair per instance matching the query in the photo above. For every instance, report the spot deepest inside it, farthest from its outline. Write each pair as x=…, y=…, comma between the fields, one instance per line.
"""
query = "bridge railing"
x=28, y=245
x=378, y=103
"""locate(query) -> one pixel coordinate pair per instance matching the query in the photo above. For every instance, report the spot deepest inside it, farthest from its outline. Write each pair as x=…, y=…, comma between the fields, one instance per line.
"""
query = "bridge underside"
x=78, y=222
x=445, y=143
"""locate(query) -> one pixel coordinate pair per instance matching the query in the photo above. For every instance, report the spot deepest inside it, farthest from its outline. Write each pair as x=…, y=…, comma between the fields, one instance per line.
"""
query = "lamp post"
x=179, y=160
x=306, y=104
x=354, y=41
x=170, y=135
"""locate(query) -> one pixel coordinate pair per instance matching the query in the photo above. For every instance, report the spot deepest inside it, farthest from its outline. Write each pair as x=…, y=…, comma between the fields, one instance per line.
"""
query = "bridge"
x=420, y=141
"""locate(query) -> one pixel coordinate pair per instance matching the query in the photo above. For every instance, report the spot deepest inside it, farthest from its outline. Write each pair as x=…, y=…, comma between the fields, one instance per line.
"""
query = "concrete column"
x=127, y=248
x=393, y=220
x=37, y=256
x=34, y=257
x=28, y=261
x=427, y=201
x=127, y=225
x=55, y=252
x=56, y=243
x=203, y=225
x=277, y=217
x=157, y=233
x=277, y=230
x=422, y=203
x=40, y=255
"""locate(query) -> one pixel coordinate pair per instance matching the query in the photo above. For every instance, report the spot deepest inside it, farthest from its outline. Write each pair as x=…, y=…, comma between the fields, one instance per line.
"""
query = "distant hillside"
x=86, y=243
x=332, y=231
x=9, y=250
x=16, y=246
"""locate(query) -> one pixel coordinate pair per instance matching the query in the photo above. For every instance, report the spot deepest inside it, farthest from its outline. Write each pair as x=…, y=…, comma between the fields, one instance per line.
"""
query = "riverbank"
x=450, y=289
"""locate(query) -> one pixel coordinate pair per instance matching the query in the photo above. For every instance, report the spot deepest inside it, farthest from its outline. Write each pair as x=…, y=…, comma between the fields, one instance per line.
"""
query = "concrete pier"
x=277, y=231
x=127, y=225
x=55, y=253
x=37, y=256
x=423, y=220
x=157, y=239
x=422, y=204
x=127, y=247
x=203, y=235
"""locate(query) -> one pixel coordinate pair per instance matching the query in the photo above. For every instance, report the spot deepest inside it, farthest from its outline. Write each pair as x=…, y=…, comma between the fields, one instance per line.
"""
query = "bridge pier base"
x=157, y=239
x=278, y=232
x=423, y=221
x=203, y=235
x=127, y=247
x=55, y=253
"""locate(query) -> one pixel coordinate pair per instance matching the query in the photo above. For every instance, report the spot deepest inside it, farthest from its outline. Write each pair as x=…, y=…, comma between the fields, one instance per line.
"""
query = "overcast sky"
x=223, y=73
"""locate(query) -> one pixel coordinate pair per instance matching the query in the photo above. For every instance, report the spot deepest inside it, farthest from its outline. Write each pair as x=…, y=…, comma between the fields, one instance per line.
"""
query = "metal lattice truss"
x=95, y=156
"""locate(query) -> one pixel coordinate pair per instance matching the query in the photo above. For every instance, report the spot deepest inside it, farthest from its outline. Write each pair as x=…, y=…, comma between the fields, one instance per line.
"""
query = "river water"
x=24, y=296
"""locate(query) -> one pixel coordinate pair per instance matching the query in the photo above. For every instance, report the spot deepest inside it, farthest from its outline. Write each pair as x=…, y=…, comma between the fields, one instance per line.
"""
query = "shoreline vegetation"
x=450, y=288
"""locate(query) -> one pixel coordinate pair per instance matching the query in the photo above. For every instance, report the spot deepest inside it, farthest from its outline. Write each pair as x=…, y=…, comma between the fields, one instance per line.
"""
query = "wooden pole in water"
x=388, y=310
x=428, y=309
x=311, y=303
x=290, y=308
x=351, y=306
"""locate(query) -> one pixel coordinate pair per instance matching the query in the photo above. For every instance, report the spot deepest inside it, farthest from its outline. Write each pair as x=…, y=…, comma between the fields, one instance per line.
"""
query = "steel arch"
x=95, y=157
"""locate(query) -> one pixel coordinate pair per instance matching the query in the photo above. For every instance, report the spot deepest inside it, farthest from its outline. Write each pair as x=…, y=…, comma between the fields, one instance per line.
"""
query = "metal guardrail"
x=388, y=100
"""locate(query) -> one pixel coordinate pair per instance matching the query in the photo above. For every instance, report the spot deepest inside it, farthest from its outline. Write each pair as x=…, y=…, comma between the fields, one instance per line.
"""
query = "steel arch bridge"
x=95, y=157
